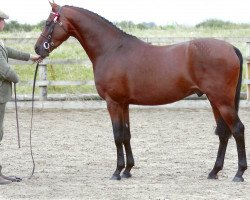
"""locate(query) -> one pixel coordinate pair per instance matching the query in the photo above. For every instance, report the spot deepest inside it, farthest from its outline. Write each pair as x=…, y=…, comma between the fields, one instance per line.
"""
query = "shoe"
x=4, y=181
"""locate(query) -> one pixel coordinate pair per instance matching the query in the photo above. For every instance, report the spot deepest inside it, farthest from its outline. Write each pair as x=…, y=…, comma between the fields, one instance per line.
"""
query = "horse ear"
x=53, y=5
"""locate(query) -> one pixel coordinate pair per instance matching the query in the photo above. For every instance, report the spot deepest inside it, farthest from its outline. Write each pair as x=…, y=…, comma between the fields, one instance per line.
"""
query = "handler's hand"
x=36, y=58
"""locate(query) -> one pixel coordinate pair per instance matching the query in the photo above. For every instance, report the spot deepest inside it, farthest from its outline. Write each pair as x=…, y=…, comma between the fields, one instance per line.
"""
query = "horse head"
x=54, y=33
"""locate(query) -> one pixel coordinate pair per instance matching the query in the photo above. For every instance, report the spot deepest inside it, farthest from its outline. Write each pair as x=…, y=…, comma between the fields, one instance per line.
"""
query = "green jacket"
x=8, y=75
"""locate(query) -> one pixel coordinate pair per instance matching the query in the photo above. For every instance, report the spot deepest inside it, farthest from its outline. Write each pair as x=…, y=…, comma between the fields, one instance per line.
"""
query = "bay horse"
x=130, y=71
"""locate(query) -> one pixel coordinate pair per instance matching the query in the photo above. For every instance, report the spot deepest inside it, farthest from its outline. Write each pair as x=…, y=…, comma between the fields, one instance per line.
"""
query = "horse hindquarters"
x=228, y=123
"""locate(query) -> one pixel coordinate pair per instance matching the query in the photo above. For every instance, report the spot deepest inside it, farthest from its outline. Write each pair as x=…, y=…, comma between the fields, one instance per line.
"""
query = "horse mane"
x=102, y=18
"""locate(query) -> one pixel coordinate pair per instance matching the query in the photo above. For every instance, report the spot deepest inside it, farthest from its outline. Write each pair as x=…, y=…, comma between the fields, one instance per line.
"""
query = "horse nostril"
x=37, y=49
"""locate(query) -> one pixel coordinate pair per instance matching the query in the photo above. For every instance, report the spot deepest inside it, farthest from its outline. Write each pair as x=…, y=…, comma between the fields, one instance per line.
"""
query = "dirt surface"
x=75, y=156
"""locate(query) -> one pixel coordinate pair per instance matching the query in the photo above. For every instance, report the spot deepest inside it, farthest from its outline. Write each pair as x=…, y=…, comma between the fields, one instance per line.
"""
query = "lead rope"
x=31, y=121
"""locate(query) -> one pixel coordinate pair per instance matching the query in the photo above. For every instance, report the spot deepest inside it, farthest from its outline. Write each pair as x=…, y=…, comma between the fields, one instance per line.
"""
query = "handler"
x=7, y=76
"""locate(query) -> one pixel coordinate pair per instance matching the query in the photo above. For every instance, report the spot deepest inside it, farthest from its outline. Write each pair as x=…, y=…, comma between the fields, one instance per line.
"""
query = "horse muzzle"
x=43, y=51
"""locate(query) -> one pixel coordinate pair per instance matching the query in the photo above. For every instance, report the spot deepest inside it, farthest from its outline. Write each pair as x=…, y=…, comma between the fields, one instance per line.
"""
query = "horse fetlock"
x=130, y=164
x=120, y=167
x=218, y=167
x=242, y=167
x=212, y=175
x=214, y=172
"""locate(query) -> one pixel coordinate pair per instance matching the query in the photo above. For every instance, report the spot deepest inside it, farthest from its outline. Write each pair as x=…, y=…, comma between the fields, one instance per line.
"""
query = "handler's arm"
x=18, y=55
x=6, y=72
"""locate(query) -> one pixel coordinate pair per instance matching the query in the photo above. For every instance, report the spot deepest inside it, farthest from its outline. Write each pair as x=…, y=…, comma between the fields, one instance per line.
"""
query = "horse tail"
x=238, y=88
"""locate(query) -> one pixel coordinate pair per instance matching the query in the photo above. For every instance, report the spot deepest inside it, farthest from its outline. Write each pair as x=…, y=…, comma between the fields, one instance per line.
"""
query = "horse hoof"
x=116, y=177
x=212, y=176
x=126, y=175
x=14, y=179
x=238, y=179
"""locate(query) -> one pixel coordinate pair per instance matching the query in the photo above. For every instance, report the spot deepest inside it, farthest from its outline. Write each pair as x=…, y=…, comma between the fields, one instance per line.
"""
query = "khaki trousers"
x=2, y=112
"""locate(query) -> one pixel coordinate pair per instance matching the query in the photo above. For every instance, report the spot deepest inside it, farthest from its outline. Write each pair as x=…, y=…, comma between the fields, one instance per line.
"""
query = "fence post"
x=43, y=90
x=248, y=70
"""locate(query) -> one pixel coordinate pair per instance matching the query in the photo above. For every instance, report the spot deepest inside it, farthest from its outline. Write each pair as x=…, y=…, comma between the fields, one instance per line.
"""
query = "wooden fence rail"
x=43, y=83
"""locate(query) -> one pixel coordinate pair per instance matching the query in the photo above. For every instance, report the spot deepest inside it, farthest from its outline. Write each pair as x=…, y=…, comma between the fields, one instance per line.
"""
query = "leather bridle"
x=49, y=43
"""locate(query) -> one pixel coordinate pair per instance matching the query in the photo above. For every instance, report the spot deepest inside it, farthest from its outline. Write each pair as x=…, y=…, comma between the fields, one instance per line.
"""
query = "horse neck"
x=95, y=34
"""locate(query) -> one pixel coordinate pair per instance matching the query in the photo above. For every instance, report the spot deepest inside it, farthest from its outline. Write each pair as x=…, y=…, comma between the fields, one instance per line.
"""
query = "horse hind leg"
x=230, y=116
x=238, y=134
x=224, y=133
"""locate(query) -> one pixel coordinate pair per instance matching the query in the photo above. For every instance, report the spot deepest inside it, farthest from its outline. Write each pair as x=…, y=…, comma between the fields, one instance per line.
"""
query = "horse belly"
x=160, y=90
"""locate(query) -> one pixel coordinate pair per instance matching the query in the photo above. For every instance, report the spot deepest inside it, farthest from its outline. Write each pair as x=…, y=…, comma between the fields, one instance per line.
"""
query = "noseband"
x=48, y=43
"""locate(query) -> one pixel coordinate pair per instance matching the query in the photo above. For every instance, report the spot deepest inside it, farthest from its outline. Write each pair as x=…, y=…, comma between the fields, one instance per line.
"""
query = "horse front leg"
x=116, y=115
x=128, y=149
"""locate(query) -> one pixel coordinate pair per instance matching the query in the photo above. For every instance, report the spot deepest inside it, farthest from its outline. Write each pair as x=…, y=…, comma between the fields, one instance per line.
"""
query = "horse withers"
x=130, y=71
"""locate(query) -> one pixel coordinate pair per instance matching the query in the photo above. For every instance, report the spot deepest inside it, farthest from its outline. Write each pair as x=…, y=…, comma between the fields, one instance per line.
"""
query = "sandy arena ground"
x=75, y=156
